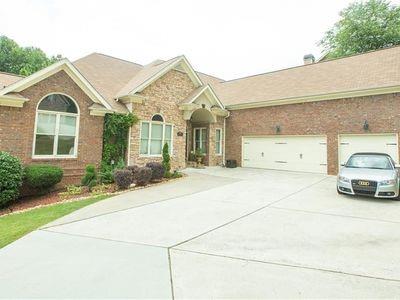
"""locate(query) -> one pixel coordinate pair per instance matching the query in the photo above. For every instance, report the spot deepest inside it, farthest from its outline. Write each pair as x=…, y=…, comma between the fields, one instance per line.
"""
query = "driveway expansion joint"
x=286, y=265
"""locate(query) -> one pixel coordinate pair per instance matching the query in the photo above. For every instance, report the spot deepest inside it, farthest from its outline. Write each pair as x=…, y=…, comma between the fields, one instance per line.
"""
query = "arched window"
x=154, y=135
x=157, y=118
x=56, y=127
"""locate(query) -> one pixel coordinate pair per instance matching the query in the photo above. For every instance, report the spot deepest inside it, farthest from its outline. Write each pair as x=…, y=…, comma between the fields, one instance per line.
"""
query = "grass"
x=14, y=226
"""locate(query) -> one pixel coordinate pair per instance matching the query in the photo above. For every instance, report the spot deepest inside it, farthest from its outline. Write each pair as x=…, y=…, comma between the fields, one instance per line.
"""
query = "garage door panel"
x=292, y=153
x=383, y=143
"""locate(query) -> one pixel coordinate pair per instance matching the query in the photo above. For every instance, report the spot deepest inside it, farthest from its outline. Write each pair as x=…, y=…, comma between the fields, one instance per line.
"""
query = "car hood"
x=368, y=174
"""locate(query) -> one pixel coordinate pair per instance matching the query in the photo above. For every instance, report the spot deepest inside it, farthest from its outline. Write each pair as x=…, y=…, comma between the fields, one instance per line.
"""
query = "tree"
x=22, y=60
x=166, y=162
x=364, y=26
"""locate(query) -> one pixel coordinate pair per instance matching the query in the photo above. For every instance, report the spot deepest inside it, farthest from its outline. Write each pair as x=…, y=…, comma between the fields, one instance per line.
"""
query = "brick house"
x=308, y=118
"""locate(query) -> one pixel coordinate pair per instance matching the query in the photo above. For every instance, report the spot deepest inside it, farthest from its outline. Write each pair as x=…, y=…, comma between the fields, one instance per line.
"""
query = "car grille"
x=364, y=187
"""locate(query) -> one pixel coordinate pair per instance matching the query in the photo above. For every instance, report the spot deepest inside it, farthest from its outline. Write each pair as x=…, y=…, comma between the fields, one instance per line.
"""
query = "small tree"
x=90, y=177
x=166, y=160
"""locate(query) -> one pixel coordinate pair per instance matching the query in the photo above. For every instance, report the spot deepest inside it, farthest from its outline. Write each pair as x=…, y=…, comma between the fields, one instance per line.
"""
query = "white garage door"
x=384, y=143
x=293, y=153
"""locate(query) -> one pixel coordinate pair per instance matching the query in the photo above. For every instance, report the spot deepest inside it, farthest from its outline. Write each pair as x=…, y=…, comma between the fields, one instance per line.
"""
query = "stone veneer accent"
x=163, y=97
x=17, y=127
x=330, y=118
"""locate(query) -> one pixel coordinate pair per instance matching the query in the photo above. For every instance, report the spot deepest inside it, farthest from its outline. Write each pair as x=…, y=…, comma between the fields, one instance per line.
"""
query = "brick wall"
x=329, y=118
x=17, y=127
x=163, y=97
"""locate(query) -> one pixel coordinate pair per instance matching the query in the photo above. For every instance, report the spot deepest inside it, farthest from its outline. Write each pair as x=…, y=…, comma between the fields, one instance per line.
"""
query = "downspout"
x=128, y=159
x=223, y=148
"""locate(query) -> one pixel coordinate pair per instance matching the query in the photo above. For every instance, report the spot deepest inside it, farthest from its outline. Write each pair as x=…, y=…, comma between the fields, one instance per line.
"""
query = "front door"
x=200, y=139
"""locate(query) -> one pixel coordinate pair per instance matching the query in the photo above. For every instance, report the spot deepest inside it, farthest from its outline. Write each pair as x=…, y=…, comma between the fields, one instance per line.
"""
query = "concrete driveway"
x=216, y=233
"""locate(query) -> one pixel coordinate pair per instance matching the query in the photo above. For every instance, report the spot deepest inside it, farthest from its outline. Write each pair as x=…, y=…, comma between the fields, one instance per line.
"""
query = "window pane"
x=197, y=135
x=46, y=124
x=67, y=125
x=66, y=145
x=144, y=132
x=57, y=102
x=143, y=146
x=157, y=118
x=155, y=147
x=44, y=144
x=168, y=132
x=156, y=131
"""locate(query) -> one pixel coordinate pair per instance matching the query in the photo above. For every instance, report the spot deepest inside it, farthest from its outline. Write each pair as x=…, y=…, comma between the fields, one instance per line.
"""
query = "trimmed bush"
x=90, y=177
x=157, y=170
x=43, y=177
x=133, y=170
x=11, y=175
x=143, y=176
x=166, y=160
x=123, y=178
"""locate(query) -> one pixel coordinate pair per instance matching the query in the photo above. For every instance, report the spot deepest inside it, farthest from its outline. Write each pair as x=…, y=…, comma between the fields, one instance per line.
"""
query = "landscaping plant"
x=133, y=170
x=123, y=178
x=43, y=177
x=90, y=177
x=143, y=176
x=11, y=175
x=157, y=169
x=166, y=160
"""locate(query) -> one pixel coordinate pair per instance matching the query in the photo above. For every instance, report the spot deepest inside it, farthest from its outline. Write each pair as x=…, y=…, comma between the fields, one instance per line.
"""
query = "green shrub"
x=72, y=190
x=166, y=160
x=123, y=178
x=106, y=175
x=90, y=177
x=101, y=189
x=11, y=175
x=143, y=176
x=157, y=170
x=43, y=177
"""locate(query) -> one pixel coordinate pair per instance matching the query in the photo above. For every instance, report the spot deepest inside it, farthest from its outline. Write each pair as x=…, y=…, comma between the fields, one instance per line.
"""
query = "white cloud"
x=224, y=38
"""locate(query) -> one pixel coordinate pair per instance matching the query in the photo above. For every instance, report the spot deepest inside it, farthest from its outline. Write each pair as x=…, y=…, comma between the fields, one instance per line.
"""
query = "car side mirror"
x=342, y=165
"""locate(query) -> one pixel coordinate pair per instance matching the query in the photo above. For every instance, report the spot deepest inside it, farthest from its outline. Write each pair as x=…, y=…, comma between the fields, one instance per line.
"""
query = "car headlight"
x=344, y=179
x=388, y=182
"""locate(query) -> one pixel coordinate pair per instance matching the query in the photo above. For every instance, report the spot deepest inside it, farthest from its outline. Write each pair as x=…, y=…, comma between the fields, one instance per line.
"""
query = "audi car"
x=369, y=174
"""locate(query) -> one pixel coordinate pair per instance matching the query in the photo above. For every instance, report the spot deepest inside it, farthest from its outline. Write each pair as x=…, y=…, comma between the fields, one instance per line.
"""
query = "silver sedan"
x=369, y=174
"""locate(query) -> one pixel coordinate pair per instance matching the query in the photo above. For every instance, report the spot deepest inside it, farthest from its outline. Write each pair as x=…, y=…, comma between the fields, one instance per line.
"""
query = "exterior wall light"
x=278, y=129
x=366, y=125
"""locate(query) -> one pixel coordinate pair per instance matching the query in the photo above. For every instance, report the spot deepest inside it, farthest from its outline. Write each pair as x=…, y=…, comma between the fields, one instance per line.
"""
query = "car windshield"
x=370, y=162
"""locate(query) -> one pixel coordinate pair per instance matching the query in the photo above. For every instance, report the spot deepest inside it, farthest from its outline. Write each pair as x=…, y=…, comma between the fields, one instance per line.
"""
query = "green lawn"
x=14, y=226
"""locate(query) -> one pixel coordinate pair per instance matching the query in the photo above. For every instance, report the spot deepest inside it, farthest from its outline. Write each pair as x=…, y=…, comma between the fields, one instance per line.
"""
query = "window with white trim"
x=218, y=141
x=56, y=127
x=154, y=135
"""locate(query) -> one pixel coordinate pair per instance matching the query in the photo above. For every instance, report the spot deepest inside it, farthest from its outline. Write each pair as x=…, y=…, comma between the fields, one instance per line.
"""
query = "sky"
x=227, y=39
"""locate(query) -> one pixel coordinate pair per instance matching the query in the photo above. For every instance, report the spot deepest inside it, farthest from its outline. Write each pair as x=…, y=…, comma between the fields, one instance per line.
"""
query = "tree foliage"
x=363, y=26
x=22, y=60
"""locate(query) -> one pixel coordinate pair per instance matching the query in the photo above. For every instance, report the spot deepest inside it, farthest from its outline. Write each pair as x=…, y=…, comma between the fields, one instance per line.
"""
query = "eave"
x=316, y=98
x=12, y=101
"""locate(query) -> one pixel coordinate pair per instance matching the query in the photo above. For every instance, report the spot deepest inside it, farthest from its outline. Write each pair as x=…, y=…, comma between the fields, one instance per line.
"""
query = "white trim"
x=211, y=91
x=149, y=138
x=56, y=133
x=174, y=62
x=12, y=101
x=316, y=98
x=220, y=141
x=223, y=151
x=128, y=159
x=66, y=66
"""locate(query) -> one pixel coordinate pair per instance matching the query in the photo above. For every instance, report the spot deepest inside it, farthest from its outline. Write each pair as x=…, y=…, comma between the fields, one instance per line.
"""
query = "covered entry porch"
x=205, y=117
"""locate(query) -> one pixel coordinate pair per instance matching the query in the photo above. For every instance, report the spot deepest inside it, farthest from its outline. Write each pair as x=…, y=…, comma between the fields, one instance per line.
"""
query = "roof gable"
x=66, y=66
x=154, y=71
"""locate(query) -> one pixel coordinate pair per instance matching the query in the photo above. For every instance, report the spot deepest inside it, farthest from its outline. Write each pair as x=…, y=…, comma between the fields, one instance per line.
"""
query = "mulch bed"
x=30, y=202
x=33, y=201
